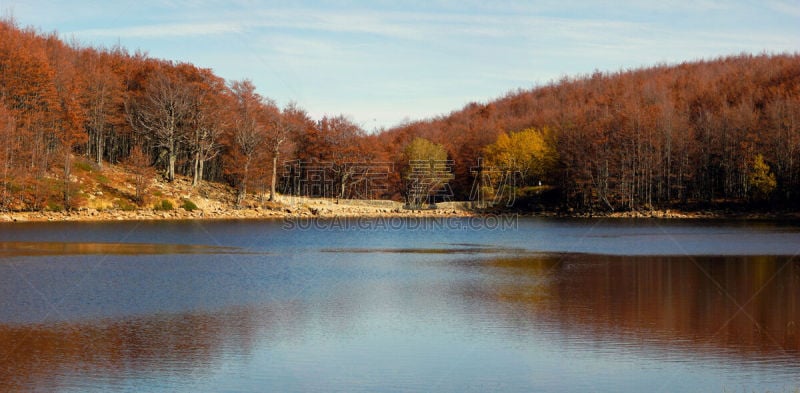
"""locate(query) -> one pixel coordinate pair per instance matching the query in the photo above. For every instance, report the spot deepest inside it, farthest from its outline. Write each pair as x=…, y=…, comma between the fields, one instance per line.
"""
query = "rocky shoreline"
x=217, y=204
x=700, y=215
x=321, y=210
x=326, y=209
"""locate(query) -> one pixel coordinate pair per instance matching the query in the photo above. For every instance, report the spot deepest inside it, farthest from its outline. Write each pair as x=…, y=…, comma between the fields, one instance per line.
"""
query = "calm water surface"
x=362, y=306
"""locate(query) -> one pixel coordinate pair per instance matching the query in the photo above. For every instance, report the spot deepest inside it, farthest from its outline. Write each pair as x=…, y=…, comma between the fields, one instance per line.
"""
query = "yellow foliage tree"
x=425, y=158
x=423, y=149
x=529, y=152
x=428, y=171
x=762, y=180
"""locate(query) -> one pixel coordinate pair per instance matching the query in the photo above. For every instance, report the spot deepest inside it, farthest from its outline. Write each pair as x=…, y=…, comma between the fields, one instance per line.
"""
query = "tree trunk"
x=198, y=169
x=243, y=187
x=67, y=167
x=343, y=185
x=99, y=147
x=274, y=177
x=171, y=166
x=171, y=158
x=201, y=169
x=242, y=193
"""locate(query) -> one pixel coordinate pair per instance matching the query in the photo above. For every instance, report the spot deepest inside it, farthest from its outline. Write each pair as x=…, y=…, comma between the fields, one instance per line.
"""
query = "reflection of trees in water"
x=635, y=303
x=32, y=357
x=16, y=249
x=745, y=305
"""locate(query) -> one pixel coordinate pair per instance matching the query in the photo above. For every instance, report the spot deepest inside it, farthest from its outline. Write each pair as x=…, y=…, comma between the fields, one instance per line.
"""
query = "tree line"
x=62, y=101
x=704, y=131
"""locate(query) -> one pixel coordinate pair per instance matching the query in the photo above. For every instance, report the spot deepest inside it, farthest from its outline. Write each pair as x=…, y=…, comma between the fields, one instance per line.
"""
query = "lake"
x=396, y=305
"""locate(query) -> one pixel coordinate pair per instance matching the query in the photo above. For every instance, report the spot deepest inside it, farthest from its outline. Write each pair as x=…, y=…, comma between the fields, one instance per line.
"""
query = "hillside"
x=109, y=193
x=692, y=134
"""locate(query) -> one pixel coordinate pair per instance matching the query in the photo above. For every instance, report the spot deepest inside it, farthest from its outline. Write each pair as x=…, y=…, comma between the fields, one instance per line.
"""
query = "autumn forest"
x=714, y=132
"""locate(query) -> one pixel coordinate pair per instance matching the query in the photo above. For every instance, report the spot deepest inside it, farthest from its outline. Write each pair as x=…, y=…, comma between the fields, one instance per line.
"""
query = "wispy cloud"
x=163, y=30
x=426, y=26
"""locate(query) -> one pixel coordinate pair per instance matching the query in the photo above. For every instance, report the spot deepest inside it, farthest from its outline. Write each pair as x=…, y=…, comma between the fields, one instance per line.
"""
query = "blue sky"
x=382, y=62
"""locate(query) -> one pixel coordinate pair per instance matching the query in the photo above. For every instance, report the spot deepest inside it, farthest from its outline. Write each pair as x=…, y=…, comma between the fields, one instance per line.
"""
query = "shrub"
x=126, y=206
x=164, y=205
x=188, y=205
x=54, y=207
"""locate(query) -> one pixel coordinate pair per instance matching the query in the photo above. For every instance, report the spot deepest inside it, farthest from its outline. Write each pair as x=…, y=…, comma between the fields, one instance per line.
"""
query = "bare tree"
x=208, y=123
x=139, y=163
x=163, y=114
x=254, y=116
x=344, y=150
x=284, y=127
x=103, y=97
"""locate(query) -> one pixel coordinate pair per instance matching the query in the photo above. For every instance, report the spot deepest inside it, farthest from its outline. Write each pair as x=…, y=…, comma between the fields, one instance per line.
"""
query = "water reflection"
x=730, y=305
x=18, y=248
x=47, y=357
x=366, y=321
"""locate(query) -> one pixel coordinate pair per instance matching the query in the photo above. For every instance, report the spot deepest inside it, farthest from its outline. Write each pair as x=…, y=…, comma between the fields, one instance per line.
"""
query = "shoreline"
x=108, y=199
x=179, y=214
x=324, y=211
